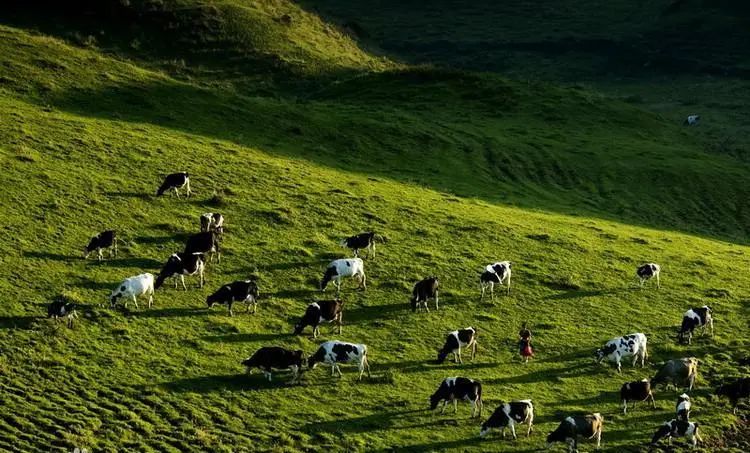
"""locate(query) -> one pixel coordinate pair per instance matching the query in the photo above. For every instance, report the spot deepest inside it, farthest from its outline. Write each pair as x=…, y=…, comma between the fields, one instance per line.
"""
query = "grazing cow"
x=212, y=221
x=175, y=181
x=507, y=415
x=61, y=308
x=103, y=240
x=335, y=352
x=348, y=267
x=682, y=407
x=466, y=338
x=695, y=317
x=423, y=291
x=319, y=312
x=364, y=241
x=735, y=391
x=237, y=291
x=677, y=428
x=458, y=388
x=495, y=274
x=647, y=272
x=618, y=348
x=180, y=265
x=636, y=391
x=692, y=120
x=139, y=285
x=270, y=358
x=589, y=426
x=677, y=371
x=205, y=242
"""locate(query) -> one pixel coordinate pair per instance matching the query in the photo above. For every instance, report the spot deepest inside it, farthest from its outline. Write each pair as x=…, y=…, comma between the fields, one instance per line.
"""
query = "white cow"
x=338, y=269
x=335, y=352
x=621, y=347
x=134, y=287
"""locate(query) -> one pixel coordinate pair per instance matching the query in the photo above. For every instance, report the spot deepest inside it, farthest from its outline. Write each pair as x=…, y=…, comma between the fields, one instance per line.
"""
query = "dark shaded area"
x=18, y=322
x=222, y=382
x=247, y=337
x=376, y=421
x=51, y=256
x=145, y=312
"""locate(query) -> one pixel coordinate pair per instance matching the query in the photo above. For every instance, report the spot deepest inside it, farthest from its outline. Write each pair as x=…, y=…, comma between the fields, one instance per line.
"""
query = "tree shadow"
x=246, y=337
x=51, y=256
x=18, y=322
x=223, y=382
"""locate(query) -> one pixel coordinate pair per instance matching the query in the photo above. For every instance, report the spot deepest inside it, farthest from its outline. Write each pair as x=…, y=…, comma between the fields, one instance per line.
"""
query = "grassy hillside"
x=454, y=169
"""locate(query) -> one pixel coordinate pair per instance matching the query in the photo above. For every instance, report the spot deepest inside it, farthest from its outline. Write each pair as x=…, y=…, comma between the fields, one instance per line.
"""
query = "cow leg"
x=473, y=407
x=315, y=332
x=653, y=402
x=176, y=192
x=99, y=254
x=367, y=365
x=513, y=429
x=182, y=280
x=361, y=368
x=255, y=306
x=295, y=373
x=455, y=407
x=658, y=283
x=338, y=369
x=333, y=369
x=624, y=406
x=457, y=356
x=341, y=321
x=473, y=350
x=229, y=305
x=114, y=248
x=619, y=366
x=481, y=287
x=364, y=281
x=445, y=403
x=508, y=285
x=201, y=277
x=437, y=301
x=135, y=301
x=187, y=187
x=492, y=291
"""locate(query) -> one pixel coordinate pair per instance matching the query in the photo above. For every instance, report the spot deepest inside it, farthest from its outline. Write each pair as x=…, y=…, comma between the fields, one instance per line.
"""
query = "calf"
x=180, y=265
x=103, y=240
x=636, y=391
x=206, y=242
x=455, y=340
x=618, y=348
x=677, y=428
x=270, y=358
x=61, y=308
x=735, y=391
x=339, y=269
x=212, y=221
x=695, y=317
x=175, y=181
x=495, y=274
x=321, y=311
x=422, y=292
x=335, y=352
x=677, y=371
x=238, y=291
x=134, y=287
x=692, y=120
x=682, y=407
x=588, y=426
x=647, y=272
x=507, y=415
x=458, y=388
x=361, y=241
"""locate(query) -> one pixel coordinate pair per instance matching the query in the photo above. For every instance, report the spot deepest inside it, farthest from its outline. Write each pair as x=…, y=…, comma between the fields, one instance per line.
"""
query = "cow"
x=636, y=391
x=175, y=181
x=103, y=240
x=238, y=291
x=692, y=120
x=205, y=242
x=695, y=317
x=364, y=241
x=347, y=267
x=180, y=265
x=319, y=312
x=677, y=428
x=455, y=340
x=507, y=415
x=682, y=407
x=677, y=371
x=648, y=271
x=423, y=291
x=212, y=221
x=273, y=357
x=495, y=274
x=335, y=352
x=589, y=426
x=458, y=388
x=735, y=391
x=619, y=348
x=140, y=285
x=62, y=308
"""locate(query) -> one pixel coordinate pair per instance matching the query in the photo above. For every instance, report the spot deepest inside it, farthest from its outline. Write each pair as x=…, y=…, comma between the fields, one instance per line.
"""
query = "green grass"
x=454, y=169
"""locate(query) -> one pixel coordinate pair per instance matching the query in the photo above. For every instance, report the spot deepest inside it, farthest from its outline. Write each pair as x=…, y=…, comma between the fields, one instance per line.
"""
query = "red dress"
x=525, y=343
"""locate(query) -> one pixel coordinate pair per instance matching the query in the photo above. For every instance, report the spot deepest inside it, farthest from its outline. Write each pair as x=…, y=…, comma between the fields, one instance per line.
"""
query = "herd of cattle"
x=204, y=245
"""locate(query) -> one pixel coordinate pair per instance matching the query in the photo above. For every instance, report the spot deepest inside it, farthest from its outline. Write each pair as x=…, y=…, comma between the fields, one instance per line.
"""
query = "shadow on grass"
x=18, y=322
x=428, y=364
x=140, y=263
x=246, y=337
x=295, y=293
x=579, y=294
x=95, y=285
x=222, y=382
x=582, y=353
x=51, y=256
x=544, y=375
x=145, y=312
x=367, y=313
x=376, y=421
x=283, y=266
x=158, y=240
x=456, y=445
x=141, y=195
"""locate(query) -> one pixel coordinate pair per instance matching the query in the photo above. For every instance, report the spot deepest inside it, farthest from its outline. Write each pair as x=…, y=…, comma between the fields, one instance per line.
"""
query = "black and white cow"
x=692, y=120
x=276, y=358
x=212, y=221
x=103, y=240
x=677, y=428
x=175, y=181
x=238, y=291
x=507, y=415
x=346, y=267
x=361, y=241
x=495, y=274
x=423, y=291
x=455, y=389
x=463, y=338
x=677, y=371
x=335, y=352
x=636, y=391
x=735, y=391
x=682, y=407
x=619, y=348
x=140, y=285
x=589, y=426
x=647, y=272
x=695, y=317
x=320, y=312
x=62, y=308
x=205, y=242
x=178, y=266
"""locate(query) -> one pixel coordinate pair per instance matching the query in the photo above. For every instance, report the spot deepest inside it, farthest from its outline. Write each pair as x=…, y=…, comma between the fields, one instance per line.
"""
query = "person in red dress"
x=524, y=344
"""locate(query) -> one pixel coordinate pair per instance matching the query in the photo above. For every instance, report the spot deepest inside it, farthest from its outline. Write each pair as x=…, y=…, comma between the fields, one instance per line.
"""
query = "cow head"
x=435, y=400
x=327, y=277
x=115, y=296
